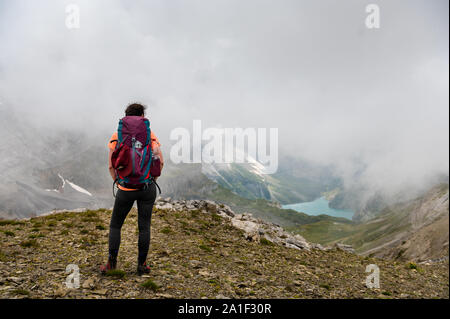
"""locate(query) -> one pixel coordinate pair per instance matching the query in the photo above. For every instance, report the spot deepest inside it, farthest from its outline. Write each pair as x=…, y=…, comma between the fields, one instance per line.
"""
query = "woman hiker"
x=132, y=149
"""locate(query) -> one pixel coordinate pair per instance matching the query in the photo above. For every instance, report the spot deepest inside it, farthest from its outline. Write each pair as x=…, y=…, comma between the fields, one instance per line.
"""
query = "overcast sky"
x=370, y=101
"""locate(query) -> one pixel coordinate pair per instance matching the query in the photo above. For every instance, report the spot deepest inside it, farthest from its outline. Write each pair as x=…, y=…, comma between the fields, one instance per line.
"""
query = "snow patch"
x=78, y=188
x=62, y=178
x=74, y=186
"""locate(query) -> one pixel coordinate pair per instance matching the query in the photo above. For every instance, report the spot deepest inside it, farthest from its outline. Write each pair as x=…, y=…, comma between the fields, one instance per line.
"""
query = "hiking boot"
x=110, y=265
x=143, y=269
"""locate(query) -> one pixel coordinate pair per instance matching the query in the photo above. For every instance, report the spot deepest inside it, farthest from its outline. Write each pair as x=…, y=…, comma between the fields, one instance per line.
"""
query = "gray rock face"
x=256, y=229
x=249, y=227
x=344, y=247
x=302, y=244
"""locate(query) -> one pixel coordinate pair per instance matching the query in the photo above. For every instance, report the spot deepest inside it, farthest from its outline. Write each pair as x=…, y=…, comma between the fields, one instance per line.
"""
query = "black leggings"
x=122, y=206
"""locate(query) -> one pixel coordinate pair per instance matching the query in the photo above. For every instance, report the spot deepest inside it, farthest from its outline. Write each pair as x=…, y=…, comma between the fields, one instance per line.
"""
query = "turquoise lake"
x=318, y=207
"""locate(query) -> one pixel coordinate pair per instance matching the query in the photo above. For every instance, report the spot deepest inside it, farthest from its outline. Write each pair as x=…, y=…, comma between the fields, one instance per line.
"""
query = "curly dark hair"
x=135, y=109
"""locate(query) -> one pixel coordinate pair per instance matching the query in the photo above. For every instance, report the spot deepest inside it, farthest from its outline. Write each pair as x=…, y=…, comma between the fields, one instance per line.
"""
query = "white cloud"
x=339, y=93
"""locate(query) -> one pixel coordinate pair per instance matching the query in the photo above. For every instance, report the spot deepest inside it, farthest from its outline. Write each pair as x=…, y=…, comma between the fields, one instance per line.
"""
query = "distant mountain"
x=295, y=181
x=369, y=203
x=417, y=229
x=366, y=205
x=44, y=169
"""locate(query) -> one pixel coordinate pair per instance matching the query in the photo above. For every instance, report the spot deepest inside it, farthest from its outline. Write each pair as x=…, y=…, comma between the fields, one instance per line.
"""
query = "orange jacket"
x=156, y=149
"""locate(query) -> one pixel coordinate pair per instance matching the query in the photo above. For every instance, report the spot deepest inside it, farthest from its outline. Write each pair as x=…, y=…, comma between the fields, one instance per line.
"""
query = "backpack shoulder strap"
x=147, y=125
x=119, y=131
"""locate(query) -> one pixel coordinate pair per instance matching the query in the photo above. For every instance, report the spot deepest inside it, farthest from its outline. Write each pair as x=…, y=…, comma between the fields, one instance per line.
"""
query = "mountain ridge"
x=197, y=251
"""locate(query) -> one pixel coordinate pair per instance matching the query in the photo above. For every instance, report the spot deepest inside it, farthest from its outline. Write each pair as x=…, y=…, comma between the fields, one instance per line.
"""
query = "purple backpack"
x=132, y=157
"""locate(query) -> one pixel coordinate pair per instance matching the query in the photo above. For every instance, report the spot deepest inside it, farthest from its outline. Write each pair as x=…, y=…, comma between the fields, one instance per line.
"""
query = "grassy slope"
x=361, y=236
x=192, y=255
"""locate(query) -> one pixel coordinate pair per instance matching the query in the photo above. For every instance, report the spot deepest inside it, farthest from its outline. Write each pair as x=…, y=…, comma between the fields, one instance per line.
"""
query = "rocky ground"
x=198, y=250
